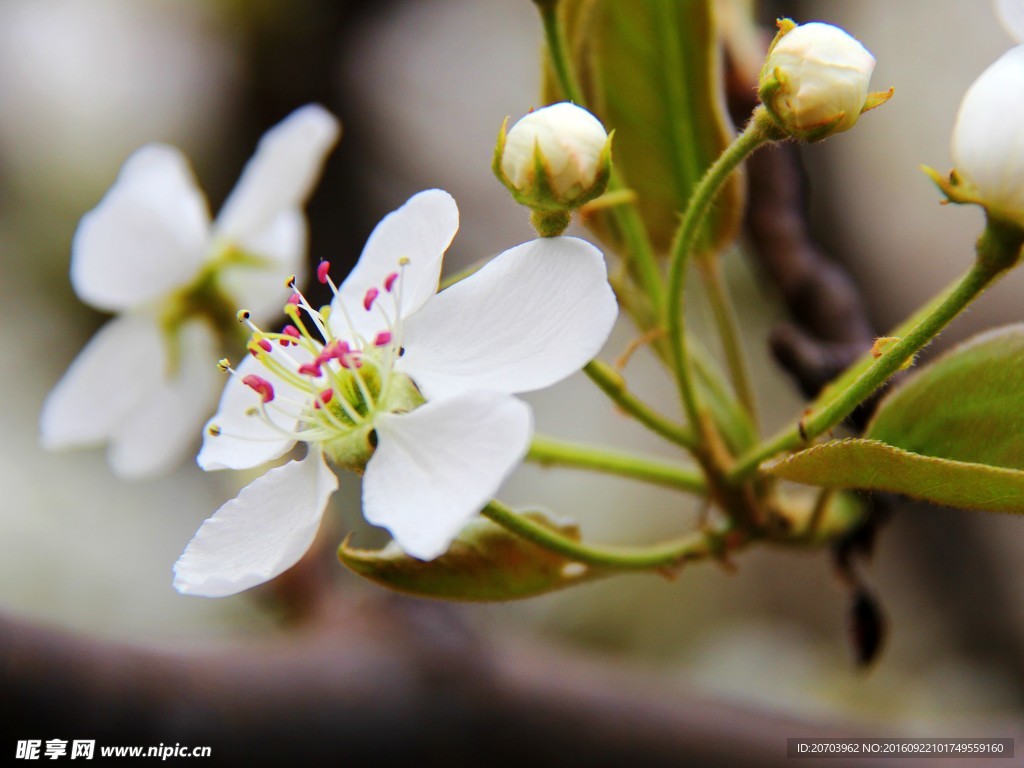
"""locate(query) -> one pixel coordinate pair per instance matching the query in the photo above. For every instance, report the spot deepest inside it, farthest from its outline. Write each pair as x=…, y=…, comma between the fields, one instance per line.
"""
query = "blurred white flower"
x=815, y=80
x=84, y=83
x=988, y=154
x=148, y=252
x=352, y=385
x=555, y=157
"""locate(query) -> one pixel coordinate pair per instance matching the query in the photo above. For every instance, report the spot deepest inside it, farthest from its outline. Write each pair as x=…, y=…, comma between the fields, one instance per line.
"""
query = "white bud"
x=988, y=138
x=571, y=146
x=815, y=80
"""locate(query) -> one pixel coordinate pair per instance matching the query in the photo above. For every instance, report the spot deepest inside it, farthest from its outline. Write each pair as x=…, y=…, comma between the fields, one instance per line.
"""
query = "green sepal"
x=876, y=99
x=485, y=563
x=953, y=187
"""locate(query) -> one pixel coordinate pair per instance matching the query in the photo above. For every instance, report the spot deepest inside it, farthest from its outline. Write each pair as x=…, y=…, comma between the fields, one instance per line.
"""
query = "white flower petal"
x=117, y=369
x=529, y=318
x=437, y=466
x=259, y=534
x=281, y=174
x=245, y=439
x=157, y=434
x=420, y=231
x=280, y=248
x=1011, y=13
x=147, y=236
x=988, y=138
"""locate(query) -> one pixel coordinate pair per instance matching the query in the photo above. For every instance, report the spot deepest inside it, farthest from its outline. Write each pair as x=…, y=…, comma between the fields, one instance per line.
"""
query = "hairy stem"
x=612, y=384
x=752, y=137
x=728, y=331
x=695, y=546
x=549, y=452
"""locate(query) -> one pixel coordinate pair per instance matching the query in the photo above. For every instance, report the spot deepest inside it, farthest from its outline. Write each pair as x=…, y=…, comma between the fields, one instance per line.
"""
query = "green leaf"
x=875, y=466
x=967, y=406
x=651, y=70
x=484, y=563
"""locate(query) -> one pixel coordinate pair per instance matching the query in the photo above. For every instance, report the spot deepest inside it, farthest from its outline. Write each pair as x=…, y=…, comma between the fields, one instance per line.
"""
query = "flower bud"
x=815, y=80
x=554, y=159
x=988, y=154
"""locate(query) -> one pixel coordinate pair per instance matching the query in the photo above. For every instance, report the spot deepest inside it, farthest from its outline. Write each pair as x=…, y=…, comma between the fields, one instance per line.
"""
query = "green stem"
x=612, y=384
x=756, y=133
x=644, y=263
x=549, y=452
x=728, y=331
x=695, y=546
x=842, y=405
x=558, y=51
x=627, y=219
x=457, y=277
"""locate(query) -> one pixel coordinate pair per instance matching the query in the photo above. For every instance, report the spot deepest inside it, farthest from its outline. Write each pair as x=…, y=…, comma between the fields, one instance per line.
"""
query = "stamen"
x=311, y=369
x=293, y=299
x=389, y=281
x=369, y=298
x=265, y=345
x=323, y=398
x=383, y=338
x=323, y=270
x=263, y=387
x=242, y=315
x=313, y=314
x=351, y=360
x=224, y=365
x=293, y=333
x=335, y=350
x=213, y=430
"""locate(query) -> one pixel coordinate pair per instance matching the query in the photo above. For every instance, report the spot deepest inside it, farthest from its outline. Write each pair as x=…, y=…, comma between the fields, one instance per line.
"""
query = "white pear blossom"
x=815, y=80
x=411, y=386
x=988, y=153
x=149, y=253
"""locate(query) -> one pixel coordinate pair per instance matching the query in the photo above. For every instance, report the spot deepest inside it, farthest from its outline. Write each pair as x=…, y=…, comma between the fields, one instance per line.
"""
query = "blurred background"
x=421, y=88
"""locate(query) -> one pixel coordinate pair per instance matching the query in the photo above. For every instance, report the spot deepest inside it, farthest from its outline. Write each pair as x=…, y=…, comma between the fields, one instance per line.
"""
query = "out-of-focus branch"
x=830, y=327
x=388, y=682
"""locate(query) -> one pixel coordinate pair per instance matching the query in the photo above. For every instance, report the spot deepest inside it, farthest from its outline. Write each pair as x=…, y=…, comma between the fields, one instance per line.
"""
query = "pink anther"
x=351, y=360
x=389, y=281
x=265, y=345
x=383, y=338
x=322, y=271
x=324, y=398
x=261, y=386
x=294, y=299
x=369, y=298
x=292, y=333
x=311, y=369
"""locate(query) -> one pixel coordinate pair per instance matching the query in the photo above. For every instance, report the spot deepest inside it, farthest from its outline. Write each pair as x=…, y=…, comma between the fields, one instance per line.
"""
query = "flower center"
x=334, y=386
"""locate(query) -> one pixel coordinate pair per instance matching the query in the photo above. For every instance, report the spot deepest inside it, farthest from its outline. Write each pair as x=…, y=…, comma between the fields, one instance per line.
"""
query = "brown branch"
x=388, y=682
